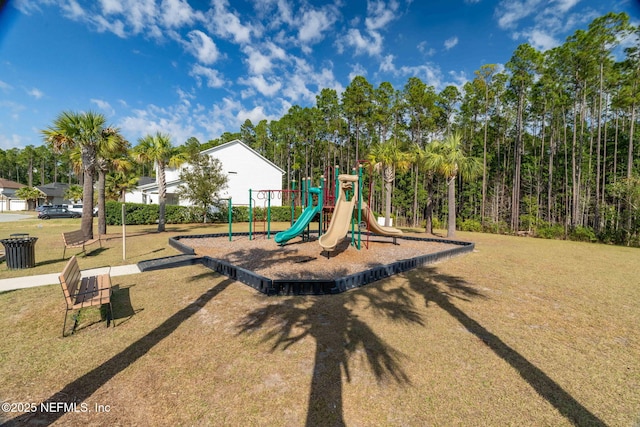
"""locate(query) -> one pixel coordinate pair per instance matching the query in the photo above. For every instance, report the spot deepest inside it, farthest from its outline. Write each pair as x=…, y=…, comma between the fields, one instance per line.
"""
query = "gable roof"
x=54, y=189
x=238, y=142
x=7, y=183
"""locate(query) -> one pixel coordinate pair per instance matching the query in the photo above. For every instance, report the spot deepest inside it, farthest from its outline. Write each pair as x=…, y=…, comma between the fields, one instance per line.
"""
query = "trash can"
x=20, y=251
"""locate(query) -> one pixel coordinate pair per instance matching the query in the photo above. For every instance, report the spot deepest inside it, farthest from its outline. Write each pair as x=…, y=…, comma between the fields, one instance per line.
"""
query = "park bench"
x=76, y=239
x=80, y=292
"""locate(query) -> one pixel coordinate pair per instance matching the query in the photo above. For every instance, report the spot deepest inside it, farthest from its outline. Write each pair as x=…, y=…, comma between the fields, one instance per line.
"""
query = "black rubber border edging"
x=319, y=286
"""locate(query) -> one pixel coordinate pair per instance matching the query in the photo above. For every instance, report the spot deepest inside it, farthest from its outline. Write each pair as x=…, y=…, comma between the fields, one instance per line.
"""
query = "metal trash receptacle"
x=20, y=252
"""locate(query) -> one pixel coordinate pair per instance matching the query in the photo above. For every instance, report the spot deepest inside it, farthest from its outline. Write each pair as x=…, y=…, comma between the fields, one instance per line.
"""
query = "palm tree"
x=85, y=131
x=386, y=158
x=74, y=193
x=111, y=155
x=158, y=149
x=448, y=159
x=118, y=184
x=31, y=195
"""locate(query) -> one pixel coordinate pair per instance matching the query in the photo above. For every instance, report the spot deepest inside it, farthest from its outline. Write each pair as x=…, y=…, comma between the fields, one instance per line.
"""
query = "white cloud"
x=548, y=20
x=6, y=87
x=357, y=70
x=387, y=64
x=213, y=77
x=255, y=115
x=73, y=10
x=111, y=6
x=565, y=5
x=260, y=59
x=379, y=15
x=541, y=40
x=104, y=106
x=176, y=13
x=314, y=23
x=202, y=47
x=450, y=43
x=509, y=12
x=226, y=24
x=267, y=88
x=370, y=44
x=36, y=93
x=11, y=141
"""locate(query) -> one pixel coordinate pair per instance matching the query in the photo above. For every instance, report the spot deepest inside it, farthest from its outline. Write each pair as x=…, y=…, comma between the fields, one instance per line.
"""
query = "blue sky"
x=201, y=68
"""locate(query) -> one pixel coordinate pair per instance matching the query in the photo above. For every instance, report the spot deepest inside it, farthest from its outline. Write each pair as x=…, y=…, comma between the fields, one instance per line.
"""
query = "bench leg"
x=75, y=323
x=64, y=325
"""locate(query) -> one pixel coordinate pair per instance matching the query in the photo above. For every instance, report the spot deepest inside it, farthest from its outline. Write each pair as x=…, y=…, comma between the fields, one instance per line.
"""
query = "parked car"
x=78, y=208
x=51, y=212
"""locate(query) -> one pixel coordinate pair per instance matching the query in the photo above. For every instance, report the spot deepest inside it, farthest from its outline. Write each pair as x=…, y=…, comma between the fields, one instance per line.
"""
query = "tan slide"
x=341, y=219
x=374, y=227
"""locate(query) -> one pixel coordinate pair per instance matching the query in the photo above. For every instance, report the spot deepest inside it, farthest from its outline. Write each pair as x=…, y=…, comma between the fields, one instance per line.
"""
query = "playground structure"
x=341, y=207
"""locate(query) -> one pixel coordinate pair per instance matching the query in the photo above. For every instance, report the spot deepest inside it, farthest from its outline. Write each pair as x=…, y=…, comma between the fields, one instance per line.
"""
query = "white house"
x=245, y=167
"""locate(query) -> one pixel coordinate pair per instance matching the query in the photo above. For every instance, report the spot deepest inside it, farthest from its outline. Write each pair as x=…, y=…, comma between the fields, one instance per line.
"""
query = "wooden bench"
x=76, y=239
x=80, y=292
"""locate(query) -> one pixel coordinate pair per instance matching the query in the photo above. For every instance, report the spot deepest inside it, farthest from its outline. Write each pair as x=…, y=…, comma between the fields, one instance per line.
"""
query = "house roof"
x=7, y=183
x=237, y=141
x=54, y=189
x=144, y=180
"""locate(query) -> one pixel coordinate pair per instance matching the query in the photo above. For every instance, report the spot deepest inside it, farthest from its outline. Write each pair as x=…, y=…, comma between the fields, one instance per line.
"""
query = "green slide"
x=301, y=223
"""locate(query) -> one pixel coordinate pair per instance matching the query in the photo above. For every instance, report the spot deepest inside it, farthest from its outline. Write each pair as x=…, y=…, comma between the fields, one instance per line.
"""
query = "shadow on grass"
x=83, y=387
x=123, y=310
x=442, y=289
x=338, y=335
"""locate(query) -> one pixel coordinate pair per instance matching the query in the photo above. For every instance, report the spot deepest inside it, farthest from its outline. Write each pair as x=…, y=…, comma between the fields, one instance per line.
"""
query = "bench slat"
x=81, y=292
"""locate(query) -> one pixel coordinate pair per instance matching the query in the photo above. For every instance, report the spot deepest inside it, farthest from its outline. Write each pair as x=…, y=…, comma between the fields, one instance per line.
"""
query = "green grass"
x=520, y=332
x=142, y=242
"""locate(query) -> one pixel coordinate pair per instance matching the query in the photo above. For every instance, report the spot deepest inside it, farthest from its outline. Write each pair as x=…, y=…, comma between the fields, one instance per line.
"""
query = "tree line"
x=544, y=145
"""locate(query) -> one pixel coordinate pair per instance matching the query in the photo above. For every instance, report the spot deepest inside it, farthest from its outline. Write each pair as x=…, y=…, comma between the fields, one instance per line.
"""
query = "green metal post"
x=250, y=217
x=230, y=218
x=303, y=195
x=359, y=204
x=321, y=204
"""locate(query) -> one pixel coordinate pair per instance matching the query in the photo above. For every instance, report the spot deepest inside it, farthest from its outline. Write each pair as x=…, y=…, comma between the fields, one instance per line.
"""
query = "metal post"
x=336, y=184
x=250, y=217
x=359, y=203
x=230, y=215
x=124, y=233
x=269, y=214
x=293, y=200
x=321, y=204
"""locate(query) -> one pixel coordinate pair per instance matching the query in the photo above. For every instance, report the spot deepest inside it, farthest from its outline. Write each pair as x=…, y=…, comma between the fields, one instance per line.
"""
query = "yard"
x=520, y=332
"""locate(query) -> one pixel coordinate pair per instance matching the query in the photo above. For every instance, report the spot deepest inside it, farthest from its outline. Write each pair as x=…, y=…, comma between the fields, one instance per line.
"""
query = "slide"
x=341, y=219
x=374, y=227
x=301, y=223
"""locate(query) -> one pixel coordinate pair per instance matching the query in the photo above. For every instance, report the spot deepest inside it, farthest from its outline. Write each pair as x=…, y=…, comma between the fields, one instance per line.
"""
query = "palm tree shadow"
x=442, y=289
x=339, y=334
x=81, y=388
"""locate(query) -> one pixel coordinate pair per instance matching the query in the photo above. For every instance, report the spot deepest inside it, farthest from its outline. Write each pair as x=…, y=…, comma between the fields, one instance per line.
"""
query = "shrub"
x=470, y=225
x=548, y=231
x=583, y=234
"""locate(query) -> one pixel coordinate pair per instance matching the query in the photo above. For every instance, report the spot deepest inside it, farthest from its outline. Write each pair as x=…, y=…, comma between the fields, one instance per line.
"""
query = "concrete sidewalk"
x=51, y=279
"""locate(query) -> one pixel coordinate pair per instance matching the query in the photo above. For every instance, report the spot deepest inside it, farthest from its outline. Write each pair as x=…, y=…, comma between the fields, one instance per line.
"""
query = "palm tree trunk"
x=86, y=224
x=102, y=220
x=162, y=197
x=387, y=202
x=451, y=227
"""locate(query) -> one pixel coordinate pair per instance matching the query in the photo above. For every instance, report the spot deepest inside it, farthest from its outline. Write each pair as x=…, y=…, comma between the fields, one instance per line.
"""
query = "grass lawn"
x=520, y=332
